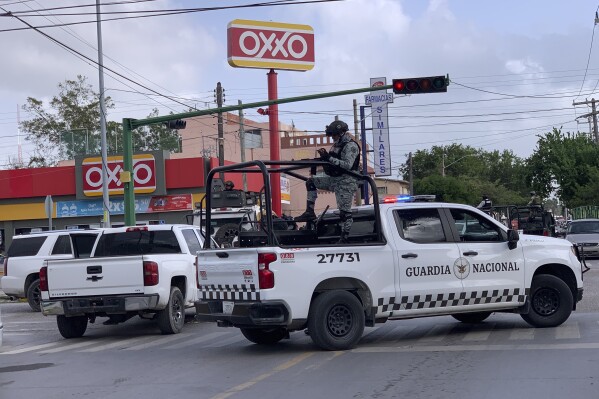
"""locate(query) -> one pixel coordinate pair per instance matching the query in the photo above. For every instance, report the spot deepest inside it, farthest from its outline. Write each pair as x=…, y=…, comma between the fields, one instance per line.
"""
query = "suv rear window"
x=29, y=246
x=138, y=242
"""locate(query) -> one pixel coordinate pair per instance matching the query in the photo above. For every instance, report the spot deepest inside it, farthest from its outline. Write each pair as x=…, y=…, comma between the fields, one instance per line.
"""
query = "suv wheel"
x=34, y=295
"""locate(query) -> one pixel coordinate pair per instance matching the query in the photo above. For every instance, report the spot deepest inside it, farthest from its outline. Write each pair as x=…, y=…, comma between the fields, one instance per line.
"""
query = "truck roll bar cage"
x=289, y=168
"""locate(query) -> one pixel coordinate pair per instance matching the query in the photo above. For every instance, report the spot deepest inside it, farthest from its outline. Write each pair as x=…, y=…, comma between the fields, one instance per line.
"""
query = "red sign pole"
x=275, y=141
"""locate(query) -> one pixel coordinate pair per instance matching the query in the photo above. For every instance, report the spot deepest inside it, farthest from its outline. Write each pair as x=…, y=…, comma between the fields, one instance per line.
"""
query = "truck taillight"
x=150, y=273
x=546, y=233
x=6, y=266
x=266, y=277
x=195, y=263
x=44, y=278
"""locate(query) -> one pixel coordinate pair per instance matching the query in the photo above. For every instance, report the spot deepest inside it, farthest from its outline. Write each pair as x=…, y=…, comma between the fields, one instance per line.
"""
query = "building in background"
x=167, y=185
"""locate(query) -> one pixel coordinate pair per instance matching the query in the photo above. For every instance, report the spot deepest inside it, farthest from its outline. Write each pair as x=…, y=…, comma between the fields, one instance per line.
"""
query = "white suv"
x=26, y=255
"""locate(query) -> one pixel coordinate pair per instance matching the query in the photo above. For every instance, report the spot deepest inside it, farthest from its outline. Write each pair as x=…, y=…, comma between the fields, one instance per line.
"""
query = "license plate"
x=228, y=307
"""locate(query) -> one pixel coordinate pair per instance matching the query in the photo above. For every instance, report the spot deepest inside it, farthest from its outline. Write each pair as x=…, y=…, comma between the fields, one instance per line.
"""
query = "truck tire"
x=475, y=317
x=34, y=295
x=336, y=320
x=226, y=234
x=264, y=336
x=172, y=318
x=551, y=302
x=71, y=327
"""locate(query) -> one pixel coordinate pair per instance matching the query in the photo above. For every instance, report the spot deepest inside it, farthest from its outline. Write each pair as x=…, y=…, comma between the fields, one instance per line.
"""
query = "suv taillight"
x=44, y=278
x=150, y=273
x=266, y=277
x=6, y=266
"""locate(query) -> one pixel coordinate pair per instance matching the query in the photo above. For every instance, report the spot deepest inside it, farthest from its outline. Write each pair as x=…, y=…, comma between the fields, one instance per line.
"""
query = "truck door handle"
x=94, y=269
x=222, y=254
x=470, y=253
x=409, y=255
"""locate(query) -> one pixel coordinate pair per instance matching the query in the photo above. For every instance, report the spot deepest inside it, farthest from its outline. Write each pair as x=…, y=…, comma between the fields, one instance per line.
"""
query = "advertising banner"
x=160, y=203
x=263, y=44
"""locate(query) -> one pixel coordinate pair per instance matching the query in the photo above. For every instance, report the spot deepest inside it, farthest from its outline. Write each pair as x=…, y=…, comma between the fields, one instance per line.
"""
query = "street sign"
x=380, y=127
x=49, y=206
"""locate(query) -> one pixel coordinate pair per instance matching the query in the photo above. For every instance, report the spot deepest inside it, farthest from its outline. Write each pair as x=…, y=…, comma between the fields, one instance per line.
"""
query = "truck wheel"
x=475, y=317
x=264, y=336
x=172, y=318
x=34, y=295
x=551, y=302
x=336, y=320
x=226, y=234
x=71, y=327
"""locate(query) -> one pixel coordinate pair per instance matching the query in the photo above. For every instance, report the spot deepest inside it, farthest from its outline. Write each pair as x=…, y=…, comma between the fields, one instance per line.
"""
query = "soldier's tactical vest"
x=333, y=170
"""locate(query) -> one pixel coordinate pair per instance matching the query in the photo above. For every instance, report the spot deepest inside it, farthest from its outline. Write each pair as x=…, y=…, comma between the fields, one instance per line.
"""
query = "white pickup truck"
x=145, y=270
x=403, y=260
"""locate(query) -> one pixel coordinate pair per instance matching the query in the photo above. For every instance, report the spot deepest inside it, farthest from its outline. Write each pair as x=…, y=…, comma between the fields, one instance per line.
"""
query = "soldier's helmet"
x=337, y=127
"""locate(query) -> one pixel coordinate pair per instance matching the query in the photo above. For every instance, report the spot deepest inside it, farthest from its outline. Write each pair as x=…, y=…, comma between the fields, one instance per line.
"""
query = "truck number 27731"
x=341, y=257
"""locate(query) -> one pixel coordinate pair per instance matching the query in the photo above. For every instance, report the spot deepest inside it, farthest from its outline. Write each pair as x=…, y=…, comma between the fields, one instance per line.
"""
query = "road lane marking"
x=229, y=341
x=158, y=341
x=29, y=348
x=477, y=336
x=567, y=331
x=197, y=340
x=119, y=343
x=474, y=348
x=241, y=387
x=436, y=334
x=522, y=334
x=70, y=346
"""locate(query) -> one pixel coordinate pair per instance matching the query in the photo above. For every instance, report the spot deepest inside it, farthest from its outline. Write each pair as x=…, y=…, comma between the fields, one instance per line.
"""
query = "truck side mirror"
x=512, y=238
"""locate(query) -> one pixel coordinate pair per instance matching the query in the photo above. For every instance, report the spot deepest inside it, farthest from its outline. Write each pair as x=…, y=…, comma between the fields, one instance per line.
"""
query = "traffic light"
x=430, y=84
x=176, y=124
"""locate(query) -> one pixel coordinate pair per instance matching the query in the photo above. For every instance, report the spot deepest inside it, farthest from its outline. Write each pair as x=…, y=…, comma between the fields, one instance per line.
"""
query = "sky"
x=515, y=67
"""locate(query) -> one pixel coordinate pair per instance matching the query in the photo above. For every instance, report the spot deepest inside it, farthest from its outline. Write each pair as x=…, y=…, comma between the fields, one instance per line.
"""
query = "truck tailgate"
x=231, y=275
x=95, y=277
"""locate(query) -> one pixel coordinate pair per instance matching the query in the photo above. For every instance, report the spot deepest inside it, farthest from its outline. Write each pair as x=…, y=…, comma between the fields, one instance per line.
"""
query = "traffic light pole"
x=130, y=124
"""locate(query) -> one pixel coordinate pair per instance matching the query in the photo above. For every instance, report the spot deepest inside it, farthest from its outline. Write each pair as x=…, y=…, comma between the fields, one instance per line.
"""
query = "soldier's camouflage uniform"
x=343, y=186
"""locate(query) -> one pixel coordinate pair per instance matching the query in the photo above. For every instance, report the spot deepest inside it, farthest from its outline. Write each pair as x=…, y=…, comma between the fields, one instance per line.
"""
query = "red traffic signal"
x=430, y=84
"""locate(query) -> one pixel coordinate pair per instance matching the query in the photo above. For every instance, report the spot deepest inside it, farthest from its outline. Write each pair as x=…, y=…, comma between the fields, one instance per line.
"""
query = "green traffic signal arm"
x=135, y=123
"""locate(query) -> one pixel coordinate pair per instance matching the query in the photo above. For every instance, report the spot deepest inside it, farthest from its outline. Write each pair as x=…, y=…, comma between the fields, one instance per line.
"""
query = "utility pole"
x=221, y=134
x=592, y=114
x=411, y=170
x=242, y=145
x=105, y=194
x=357, y=138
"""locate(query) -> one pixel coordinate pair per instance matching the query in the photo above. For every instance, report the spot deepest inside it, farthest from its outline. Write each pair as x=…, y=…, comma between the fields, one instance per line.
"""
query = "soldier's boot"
x=307, y=216
x=344, y=238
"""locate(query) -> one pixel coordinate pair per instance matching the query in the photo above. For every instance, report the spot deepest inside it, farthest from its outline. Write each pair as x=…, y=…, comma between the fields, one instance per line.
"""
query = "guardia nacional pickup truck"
x=403, y=260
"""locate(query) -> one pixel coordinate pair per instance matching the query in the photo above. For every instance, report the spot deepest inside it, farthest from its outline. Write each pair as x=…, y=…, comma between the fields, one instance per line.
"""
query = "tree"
x=568, y=164
x=71, y=127
x=469, y=173
x=156, y=136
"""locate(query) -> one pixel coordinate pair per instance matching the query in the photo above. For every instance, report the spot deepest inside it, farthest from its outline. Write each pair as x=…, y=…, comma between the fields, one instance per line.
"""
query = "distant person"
x=229, y=185
x=534, y=199
x=486, y=204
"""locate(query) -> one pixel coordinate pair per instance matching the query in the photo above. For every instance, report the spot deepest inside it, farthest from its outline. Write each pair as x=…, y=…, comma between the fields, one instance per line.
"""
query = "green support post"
x=128, y=167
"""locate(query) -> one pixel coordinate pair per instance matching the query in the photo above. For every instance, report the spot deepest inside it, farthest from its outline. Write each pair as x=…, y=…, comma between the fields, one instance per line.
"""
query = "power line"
x=182, y=11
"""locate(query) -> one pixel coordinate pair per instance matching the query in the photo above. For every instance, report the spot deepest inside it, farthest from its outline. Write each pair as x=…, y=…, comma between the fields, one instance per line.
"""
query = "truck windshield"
x=138, y=243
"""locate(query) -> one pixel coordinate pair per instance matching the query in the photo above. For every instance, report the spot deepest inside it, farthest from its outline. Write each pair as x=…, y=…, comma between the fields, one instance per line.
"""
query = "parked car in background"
x=26, y=256
x=585, y=233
